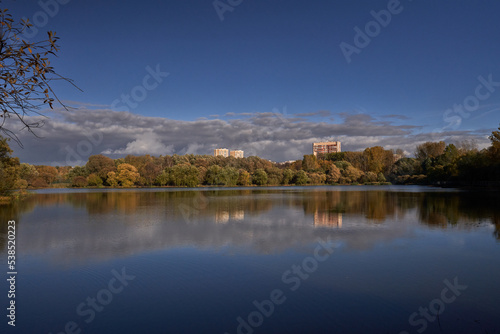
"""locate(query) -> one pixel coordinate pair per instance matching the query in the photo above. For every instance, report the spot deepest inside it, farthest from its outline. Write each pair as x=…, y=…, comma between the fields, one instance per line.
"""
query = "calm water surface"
x=267, y=260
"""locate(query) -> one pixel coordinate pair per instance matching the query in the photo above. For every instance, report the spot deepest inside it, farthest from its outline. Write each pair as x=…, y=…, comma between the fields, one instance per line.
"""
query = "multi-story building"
x=237, y=153
x=223, y=152
x=326, y=147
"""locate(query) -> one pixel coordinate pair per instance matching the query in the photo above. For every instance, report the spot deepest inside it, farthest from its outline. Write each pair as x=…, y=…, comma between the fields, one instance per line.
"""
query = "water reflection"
x=327, y=219
x=90, y=225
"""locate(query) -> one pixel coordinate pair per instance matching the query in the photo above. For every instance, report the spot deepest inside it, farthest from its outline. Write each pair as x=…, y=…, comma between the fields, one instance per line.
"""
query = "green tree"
x=429, y=150
x=214, y=176
x=300, y=178
x=161, y=179
x=274, y=175
x=370, y=177
x=259, y=177
x=403, y=169
x=230, y=175
x=77, y=171
x=94, y=180
x=287, y=176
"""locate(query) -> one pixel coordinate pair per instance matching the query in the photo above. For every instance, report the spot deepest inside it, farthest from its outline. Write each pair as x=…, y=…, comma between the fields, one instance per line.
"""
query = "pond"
x=359, y=259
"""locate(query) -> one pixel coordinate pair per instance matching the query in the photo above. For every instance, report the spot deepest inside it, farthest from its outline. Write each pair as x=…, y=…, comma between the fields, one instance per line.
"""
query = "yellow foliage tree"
x=127, y=175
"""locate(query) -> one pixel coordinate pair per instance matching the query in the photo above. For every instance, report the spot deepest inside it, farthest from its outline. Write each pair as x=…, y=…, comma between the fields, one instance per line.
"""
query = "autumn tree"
x=127, y=175
x=352, y=174
x=111, y=179
x=494, y=149
x=377, y=159
x=9, y=167
x=47, y=173
x=79, y=181
x=310, y=163
x=100, y=165
x=243, y=178
x=430, y=150
x=77, y=171
x=332, y=174
x=28, y=173
x=150, y=172
x=26, y=75
x=94, y=180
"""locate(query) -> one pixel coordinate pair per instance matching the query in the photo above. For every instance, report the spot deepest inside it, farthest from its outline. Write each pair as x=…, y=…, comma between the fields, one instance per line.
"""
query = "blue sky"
x=266, y=58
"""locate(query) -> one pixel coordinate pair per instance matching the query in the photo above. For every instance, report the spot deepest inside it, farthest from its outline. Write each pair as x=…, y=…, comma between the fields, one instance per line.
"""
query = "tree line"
x=434, y=163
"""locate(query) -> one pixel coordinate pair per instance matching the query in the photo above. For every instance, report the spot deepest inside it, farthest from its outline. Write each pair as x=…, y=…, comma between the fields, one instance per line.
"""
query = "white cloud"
x=147, y=143
x=69, y=137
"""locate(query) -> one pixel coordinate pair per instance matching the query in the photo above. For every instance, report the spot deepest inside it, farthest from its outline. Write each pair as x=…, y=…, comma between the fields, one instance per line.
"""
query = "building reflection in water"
x=223, y=216
x=327, y=219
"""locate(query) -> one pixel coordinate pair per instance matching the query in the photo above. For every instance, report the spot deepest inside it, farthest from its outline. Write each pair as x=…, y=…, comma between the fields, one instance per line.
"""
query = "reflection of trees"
x=183, y=204
x=439, y=209
x=496, y=222
x=220, y=205
x=267, y=220
x=190, y=210
x=465, y=208
x=12, y=211
x=376, y=205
